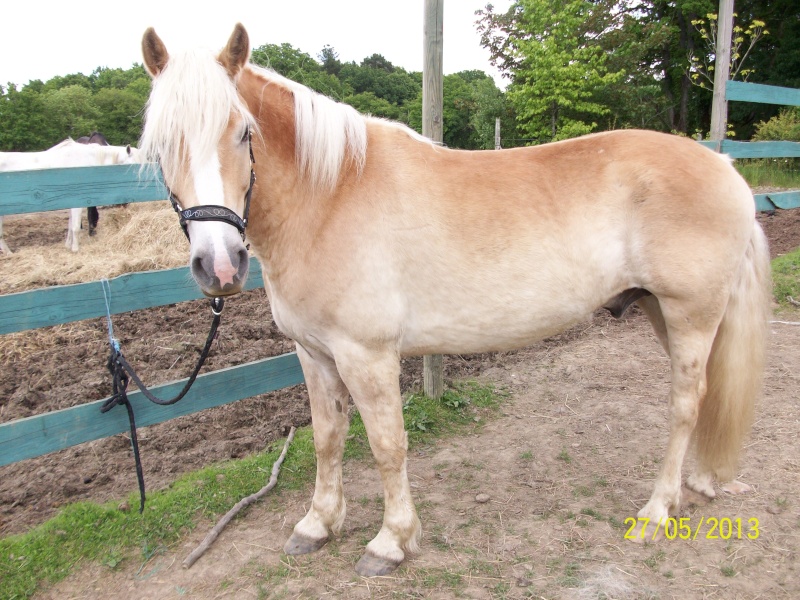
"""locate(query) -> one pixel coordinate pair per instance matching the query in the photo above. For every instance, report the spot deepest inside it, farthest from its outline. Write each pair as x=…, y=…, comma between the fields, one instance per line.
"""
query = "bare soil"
x=572, y=456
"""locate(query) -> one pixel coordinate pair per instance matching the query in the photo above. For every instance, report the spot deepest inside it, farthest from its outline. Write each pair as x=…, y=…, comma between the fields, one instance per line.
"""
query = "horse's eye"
x=246, y=136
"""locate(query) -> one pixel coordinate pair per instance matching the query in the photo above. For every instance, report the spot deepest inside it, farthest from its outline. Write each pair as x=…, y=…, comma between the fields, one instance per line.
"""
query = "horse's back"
x=478, y=251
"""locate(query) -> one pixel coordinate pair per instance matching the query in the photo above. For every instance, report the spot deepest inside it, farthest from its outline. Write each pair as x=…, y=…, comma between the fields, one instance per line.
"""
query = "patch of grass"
x=654, y=559
x=728, y=571
x=441, y=578
x=590, y=512
x=89, y=532
x=85, y=531
x=571, y=578
x=564, y=455
x=786, y=278
x=772, y=172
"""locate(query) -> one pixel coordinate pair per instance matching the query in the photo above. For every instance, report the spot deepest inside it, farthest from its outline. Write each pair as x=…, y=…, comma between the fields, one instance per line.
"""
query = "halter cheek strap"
x=211, y=212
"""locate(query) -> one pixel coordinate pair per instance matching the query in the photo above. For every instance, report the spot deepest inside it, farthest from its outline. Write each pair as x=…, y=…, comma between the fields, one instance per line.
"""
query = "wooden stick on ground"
x=214, y=533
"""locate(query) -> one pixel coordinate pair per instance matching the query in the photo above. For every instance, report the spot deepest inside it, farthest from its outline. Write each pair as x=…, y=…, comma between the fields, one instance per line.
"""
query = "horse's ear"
x=154, y=52
x=236, y=54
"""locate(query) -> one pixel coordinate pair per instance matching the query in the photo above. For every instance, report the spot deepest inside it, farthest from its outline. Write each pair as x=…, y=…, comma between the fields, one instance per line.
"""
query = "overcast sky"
x=41, y=39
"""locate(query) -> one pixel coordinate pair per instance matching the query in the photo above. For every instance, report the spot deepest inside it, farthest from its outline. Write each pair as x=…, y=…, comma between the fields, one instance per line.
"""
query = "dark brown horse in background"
x=92, y=214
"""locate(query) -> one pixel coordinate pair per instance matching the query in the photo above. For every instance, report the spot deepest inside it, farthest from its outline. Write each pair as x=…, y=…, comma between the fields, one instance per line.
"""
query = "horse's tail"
x=736, y=365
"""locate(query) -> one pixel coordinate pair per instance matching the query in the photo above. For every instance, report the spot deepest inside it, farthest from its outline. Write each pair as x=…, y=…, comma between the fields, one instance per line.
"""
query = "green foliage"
x=561, y=68
x=42, y=114
x=702, y=63
x=784, y=126
x=651, y=43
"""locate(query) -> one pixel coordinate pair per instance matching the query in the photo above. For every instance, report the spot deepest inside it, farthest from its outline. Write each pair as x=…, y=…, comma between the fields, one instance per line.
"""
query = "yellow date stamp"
x=686, y=528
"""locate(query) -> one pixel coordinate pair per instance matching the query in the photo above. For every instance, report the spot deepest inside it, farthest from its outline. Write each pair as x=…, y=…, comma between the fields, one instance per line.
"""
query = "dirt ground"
x=572, y=456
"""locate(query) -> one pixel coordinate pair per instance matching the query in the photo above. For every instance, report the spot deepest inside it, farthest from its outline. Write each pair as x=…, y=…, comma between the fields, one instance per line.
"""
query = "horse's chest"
x=289, y=317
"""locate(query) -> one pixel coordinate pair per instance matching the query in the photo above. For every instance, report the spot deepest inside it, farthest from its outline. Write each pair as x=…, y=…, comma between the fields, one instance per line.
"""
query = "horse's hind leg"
x=690, y=334
x=649, y=304
x=373, y=378
x=93, y=217
x=329, y=398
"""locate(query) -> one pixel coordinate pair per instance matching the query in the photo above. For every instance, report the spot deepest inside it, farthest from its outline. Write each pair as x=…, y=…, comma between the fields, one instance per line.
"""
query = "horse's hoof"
x=300, y=544
x=372, y=566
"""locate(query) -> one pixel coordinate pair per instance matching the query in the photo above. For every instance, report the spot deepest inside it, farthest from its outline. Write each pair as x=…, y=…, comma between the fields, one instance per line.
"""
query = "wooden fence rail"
x=53, y=189
x=765, y=94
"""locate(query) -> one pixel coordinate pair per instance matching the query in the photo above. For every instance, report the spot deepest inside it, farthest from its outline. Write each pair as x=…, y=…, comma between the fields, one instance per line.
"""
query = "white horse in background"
x=68, y=153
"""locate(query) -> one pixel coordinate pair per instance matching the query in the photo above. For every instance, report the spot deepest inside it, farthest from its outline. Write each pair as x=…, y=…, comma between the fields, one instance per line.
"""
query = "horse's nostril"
x=197, y=264
x=243, y=258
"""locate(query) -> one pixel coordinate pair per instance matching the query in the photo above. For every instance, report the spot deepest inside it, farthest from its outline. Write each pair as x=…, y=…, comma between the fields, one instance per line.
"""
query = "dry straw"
x=137, y=237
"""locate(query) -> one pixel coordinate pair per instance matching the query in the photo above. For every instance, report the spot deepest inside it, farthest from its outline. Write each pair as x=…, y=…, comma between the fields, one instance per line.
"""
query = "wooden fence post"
x=722, y=70
x=433, y=128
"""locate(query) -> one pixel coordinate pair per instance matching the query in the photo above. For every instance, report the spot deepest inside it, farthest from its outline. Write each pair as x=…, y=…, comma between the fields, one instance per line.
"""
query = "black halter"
x=211, y=212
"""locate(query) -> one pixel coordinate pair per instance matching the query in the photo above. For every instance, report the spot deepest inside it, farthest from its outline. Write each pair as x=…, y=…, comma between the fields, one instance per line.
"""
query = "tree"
x=557, y=67
x=330, y=61
x=71, y=111
x=24, y=118
x=471, y=103
x=298, y=66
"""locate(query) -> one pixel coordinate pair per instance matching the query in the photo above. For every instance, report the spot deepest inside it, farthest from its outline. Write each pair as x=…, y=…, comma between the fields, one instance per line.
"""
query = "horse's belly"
x=503, y=327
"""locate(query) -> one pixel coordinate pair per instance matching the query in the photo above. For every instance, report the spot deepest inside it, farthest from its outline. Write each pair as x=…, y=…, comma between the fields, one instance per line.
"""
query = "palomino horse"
x=68, y=153
x=375, y=243
x=92, y=214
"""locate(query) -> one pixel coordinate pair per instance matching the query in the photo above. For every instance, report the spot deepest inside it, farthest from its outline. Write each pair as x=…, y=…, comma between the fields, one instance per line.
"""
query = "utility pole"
x=433, y=128
x=722, y=71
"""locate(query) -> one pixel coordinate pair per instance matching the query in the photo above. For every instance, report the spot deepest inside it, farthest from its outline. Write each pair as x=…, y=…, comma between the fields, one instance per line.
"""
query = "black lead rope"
x=122, y=372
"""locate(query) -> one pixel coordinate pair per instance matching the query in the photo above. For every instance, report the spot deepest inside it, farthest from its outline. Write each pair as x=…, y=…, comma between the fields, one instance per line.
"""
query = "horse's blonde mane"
x=327, y=132
x=193, y=97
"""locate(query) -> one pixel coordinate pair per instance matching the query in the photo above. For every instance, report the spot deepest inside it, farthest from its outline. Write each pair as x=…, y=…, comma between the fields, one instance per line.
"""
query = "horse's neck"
x=287, y=211
x=278, y=198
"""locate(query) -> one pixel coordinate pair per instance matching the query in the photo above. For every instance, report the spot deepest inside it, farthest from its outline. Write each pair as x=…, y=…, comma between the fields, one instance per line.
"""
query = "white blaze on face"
x=209, y=190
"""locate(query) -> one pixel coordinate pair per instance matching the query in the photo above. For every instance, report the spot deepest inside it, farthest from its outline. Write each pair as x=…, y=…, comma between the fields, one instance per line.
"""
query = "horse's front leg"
x=373, y=378
x=73, y=228
x=4, y=249
x=329, y=398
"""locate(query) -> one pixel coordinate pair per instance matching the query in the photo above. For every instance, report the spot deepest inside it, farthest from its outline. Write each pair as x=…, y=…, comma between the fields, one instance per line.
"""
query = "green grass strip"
x=86, y=531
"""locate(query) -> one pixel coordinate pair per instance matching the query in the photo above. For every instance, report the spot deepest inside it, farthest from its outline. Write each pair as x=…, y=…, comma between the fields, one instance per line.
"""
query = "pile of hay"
x=138, y=237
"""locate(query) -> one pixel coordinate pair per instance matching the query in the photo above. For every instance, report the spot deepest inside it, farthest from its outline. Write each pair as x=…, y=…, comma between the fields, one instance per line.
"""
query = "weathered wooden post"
x=432, y=127
x=722, y=70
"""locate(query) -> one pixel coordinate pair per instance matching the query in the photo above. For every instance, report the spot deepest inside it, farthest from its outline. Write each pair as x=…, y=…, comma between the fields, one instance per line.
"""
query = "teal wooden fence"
x=52, y=189
x=765, y=94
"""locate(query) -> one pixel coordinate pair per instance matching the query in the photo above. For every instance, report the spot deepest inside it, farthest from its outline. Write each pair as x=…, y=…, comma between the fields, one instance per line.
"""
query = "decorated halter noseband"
x=211, y=212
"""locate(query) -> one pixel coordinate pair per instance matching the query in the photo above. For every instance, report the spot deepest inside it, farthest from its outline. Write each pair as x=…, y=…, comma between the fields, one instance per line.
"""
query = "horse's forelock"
x=191, y=100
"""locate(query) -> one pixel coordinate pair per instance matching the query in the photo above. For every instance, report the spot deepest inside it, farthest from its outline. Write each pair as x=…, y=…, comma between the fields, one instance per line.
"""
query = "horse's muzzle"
x=223, y=273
